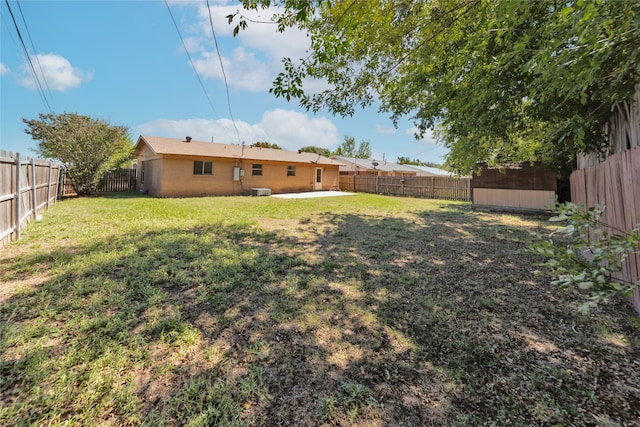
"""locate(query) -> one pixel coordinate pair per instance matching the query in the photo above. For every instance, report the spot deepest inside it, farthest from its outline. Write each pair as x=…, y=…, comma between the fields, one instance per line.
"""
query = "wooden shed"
x=515, y=187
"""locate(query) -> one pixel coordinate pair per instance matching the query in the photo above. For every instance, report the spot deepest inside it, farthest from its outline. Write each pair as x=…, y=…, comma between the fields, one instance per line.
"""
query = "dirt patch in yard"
x=412, y=317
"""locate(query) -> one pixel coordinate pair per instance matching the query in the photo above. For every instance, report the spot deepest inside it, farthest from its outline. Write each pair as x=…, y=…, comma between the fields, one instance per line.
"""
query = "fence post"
x=34, y=188
x=58, y=181
x=49, y=184
x=18, y=194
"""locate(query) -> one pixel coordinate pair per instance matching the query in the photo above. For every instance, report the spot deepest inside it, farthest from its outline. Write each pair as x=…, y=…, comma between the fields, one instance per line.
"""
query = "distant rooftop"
x=432, y=171
x=381, y=165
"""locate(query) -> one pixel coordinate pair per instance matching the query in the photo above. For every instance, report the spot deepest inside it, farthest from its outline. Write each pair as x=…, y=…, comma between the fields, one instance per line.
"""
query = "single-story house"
x=171, y=167
x=355, y=166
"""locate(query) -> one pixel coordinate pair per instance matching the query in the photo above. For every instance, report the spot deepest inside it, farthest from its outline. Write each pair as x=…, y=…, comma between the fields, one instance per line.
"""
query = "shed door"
x=318, y=181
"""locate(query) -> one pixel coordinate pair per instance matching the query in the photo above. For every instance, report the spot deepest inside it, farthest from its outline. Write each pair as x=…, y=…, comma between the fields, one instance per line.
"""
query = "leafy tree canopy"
x=265, y=144
x=498, y=80
x=317, y=150
x=88, y=147
x=349, y=148
x=416, y=162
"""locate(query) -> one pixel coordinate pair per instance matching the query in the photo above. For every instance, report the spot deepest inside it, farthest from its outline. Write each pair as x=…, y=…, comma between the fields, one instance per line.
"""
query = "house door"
x=318, y=181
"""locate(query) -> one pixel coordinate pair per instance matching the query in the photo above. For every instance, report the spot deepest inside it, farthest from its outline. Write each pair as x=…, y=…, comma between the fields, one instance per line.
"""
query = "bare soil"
x=423, y=318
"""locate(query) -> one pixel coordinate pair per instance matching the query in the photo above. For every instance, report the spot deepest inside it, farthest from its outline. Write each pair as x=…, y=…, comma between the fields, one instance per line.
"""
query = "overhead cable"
x=224, y=75
x=190, y=60
x=43, y=96
x=33, y=46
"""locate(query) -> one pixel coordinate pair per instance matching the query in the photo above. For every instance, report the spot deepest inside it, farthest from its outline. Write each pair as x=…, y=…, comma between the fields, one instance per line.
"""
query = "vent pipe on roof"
x=187, y=139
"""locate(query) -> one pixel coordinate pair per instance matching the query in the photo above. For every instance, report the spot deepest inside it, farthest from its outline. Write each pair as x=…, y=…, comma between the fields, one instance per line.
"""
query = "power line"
x=43, y=96
x=190, y=60
x=224, y=75
x=33, y=46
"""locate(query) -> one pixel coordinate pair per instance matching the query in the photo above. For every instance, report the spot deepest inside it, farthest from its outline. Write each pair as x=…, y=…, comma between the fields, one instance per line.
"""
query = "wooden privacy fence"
x=118, y=180
x=27, y=187
x=113, y=181
x=431, y=187
x=616, y=183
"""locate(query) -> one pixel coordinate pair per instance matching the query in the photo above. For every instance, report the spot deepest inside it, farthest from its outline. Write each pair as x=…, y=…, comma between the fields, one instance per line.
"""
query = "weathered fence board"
x=113, y=181
x=27, y=187
x=616, y=183
x=118, y=180
x=432, y=187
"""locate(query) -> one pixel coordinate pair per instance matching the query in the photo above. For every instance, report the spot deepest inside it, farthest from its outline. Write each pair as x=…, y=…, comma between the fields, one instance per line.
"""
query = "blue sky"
x=123, y=61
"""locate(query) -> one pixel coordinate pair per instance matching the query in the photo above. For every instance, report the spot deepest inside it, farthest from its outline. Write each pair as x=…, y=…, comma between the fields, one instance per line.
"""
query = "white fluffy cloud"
x=385, y=130
x=54, y=72
x=291, y=130
x=256, y=58
x=4, y=70
x=429, y=137
x=243, y=70
x=261, y=33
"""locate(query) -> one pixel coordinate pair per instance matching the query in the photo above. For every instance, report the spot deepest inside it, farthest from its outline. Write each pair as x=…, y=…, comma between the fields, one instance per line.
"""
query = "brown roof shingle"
x=175, y=146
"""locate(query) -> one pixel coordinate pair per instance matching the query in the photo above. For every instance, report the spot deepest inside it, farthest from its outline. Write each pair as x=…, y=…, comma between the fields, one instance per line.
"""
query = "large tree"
x=89, y=147
x=317, y=150
x=402, y=160
x=498, y=80
x=349, y=148
x=266, y=144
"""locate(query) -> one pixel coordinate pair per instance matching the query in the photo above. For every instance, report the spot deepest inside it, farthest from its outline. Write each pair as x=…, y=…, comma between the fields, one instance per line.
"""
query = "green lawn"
x=360, y=310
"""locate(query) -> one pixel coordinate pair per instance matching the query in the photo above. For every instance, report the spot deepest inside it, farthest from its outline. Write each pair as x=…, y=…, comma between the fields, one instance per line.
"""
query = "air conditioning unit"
x=260, y=191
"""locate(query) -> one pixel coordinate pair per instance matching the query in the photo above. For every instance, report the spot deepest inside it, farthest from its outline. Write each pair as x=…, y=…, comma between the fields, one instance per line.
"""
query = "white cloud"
x=253, y=58
x=291, y=130
x=243, y=70
x=4, y=70
x=54, y=72
x=260, y=34
x=429, y=137
x=384, y=130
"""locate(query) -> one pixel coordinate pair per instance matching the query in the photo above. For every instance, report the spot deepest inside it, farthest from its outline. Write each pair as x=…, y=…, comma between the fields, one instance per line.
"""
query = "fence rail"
x=615, y=183
x=118, y=180
x=27, y=187
x=431, y=187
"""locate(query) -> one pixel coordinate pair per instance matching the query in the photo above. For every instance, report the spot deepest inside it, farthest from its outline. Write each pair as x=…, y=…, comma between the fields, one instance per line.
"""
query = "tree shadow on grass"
x=341, y=320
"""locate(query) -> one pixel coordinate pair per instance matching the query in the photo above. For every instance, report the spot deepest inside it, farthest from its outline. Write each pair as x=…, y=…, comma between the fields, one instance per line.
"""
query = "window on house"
x=256, y=169
x=291, y=171
x=202, y=168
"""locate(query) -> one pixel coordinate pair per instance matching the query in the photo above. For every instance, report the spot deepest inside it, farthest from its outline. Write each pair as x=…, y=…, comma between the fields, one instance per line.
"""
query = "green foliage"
x=265, y=144
x=498, y=81
x=88, y=147
x=363, y=151
x=351, y=399
x=416, y=162
x=317, y=150
x=584, y=255
x=349, y=148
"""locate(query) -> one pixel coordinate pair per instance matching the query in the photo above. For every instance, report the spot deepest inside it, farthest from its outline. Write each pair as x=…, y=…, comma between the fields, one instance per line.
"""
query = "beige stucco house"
x=171, y=167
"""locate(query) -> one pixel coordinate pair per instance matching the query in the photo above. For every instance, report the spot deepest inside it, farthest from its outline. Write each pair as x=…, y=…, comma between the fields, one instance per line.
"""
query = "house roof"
x=350, y=163
x=432, y=171
x=179, y=147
